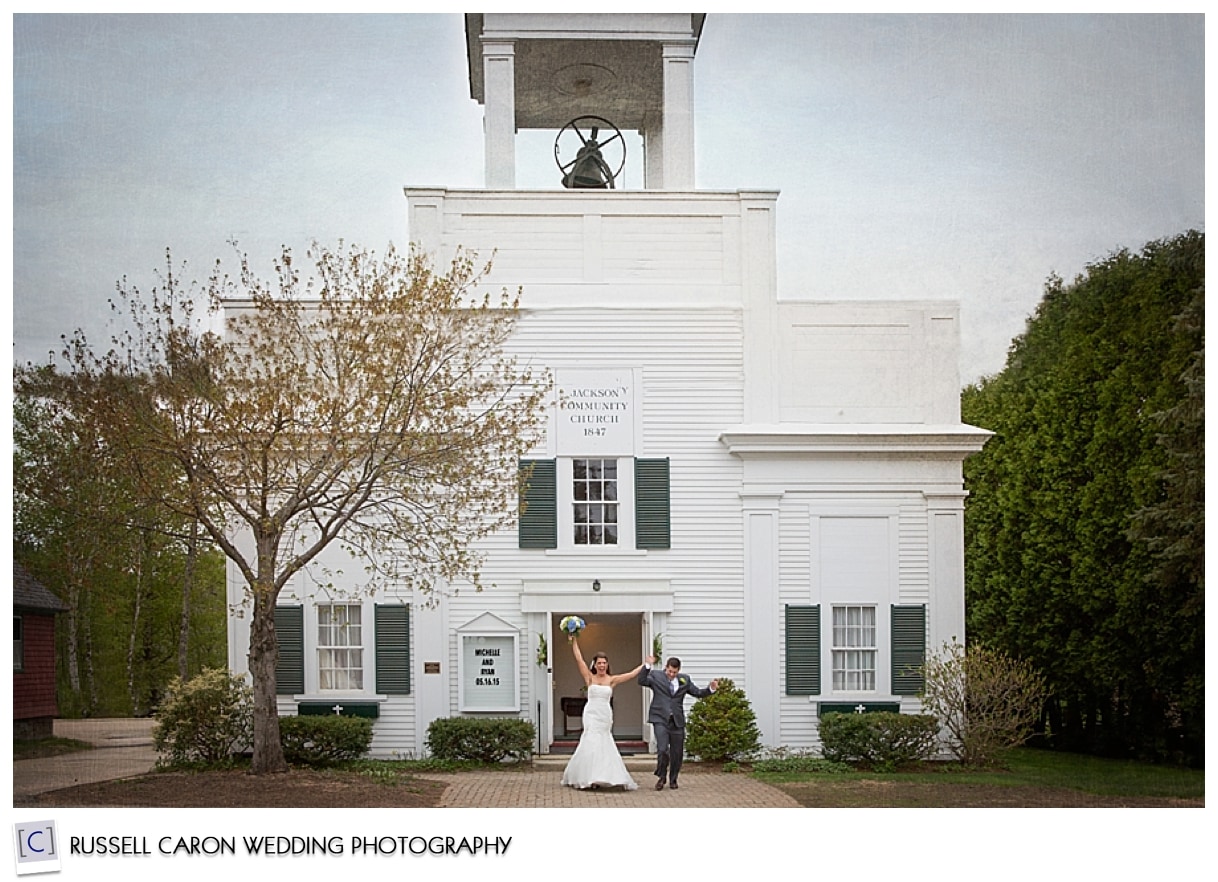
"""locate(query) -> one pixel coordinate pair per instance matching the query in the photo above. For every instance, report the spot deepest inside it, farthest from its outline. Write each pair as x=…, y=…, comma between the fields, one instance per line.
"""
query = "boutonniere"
x=682, y=681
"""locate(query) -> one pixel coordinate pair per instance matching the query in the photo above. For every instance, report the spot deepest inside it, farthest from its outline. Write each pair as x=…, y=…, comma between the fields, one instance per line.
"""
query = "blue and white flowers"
x=572, y=625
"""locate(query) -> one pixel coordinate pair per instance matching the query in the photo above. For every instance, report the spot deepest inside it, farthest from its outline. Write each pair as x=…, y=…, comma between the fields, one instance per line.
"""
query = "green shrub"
x=883, y=740
x=484, y=740
x=722, y=726
x=204, y=720
x=319, y=740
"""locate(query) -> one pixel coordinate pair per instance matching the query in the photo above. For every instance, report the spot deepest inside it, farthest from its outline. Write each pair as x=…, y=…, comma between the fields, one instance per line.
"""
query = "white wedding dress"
x=596, y=761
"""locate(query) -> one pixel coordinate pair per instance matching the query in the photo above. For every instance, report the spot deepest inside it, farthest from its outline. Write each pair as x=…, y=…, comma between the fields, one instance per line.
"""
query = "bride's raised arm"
x=622, y=678
x=579, y=660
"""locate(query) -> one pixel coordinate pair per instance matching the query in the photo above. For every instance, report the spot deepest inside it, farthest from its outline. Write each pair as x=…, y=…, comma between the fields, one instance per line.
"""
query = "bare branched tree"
x=370, y=402
x=986, y=701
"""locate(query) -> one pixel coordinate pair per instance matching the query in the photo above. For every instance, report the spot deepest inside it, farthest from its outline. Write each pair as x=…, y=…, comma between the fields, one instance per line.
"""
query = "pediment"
x=488, y=623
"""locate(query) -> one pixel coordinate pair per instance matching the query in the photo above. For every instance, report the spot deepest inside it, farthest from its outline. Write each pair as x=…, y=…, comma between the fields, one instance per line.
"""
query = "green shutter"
x=908, y=649
x=392, y=649
x=803, y=650
x=651, y=504
x=289, y=629
x=538, y=504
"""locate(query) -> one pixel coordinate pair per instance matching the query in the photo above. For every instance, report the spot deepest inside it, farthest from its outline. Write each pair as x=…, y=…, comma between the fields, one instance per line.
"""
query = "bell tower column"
x=677, y=130
x=499, y=121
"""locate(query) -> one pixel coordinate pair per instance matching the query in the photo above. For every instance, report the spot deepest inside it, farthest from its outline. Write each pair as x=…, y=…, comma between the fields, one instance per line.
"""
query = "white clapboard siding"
x=798, y=719
x=691, y=378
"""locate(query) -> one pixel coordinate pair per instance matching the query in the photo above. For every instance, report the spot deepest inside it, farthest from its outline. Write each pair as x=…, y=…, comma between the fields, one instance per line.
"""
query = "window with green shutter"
x=289, y=628
x=652, y=511
x=392, y=649
x=803, y=650
x=908, y=649
x=538, y=504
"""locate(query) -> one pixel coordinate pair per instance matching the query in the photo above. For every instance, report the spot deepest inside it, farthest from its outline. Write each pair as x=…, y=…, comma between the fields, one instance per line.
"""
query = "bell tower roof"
x=540, y=71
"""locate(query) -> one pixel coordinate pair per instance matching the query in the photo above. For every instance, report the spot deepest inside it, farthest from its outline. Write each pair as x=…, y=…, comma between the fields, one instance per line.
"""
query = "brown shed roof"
x=29, y=593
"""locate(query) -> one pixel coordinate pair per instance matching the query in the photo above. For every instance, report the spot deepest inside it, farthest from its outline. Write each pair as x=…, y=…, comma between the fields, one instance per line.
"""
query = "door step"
x=638, y=762
x=625, y=746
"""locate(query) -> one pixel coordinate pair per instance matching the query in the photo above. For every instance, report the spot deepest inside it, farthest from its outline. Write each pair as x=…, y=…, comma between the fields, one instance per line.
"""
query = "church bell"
x=590, y=171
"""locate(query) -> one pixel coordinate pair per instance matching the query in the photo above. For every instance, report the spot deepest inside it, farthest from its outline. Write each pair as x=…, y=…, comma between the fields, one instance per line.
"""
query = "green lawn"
x=1035, y=769
x=1047, y=768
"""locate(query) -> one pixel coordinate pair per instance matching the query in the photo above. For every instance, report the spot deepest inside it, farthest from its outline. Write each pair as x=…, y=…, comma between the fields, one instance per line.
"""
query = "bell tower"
x=543, y=71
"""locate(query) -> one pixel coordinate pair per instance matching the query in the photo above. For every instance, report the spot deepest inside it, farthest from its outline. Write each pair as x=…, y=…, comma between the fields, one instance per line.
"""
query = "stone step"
x=639, y=762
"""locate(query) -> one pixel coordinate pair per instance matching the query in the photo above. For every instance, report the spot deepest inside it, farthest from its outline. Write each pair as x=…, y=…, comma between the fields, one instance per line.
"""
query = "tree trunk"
x=90, y=686
x=73, y=638
x=264, y=657
x=135, y=624
x=188, y=580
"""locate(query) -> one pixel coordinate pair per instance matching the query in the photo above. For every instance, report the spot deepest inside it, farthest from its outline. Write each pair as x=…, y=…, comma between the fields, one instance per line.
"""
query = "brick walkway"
x=543, y=789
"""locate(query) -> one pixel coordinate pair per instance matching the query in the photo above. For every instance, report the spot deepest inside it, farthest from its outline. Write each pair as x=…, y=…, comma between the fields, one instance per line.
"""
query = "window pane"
x=594, y=494
x=854, y=648
x=340, y=655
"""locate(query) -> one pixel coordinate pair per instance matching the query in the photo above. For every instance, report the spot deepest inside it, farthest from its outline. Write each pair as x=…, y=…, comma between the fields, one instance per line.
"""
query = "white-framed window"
x=854, y=648
x=595, y=506
x=18, y=644
x=594, y=501
x=340, y=646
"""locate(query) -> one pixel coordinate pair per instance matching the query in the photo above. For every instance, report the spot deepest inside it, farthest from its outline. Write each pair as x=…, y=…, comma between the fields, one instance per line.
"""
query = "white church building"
x=768, y=487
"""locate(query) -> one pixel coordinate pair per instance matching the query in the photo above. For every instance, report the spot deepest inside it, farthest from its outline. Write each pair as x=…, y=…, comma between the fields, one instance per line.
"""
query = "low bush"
x=882, y=741
x=987, y=701
x=799, y=763
x=722, y=726
x=321, y=740
x=484, y=740
x=204, y=720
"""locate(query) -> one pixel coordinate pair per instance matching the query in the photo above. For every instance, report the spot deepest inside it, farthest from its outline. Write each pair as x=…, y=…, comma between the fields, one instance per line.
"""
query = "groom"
x=667, y=715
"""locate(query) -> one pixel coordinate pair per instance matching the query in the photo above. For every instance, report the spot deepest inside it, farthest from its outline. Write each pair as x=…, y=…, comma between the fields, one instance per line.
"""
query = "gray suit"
x=667, y=716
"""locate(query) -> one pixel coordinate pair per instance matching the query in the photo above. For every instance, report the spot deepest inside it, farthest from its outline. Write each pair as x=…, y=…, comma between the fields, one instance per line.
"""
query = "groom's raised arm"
x=645, y=673
x=698, y=692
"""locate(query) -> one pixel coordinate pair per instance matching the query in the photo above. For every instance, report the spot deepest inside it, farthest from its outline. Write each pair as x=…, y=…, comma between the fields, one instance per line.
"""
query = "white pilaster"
x=499, y=118
x=431, y=675
x=678, y=125
x=945, y=512
x=761, y=612
x=759, y=282
x=653, y=151
x=425, y=219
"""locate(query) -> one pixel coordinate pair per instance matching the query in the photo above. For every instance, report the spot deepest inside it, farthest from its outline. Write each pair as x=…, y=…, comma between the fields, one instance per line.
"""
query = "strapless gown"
x=596, y=760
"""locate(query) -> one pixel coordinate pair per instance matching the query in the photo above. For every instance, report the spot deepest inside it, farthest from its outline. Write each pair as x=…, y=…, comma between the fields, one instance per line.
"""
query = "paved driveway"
x=124, y=750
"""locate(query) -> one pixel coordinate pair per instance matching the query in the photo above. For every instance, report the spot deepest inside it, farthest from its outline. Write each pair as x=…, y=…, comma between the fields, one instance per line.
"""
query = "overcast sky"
x=918, y=157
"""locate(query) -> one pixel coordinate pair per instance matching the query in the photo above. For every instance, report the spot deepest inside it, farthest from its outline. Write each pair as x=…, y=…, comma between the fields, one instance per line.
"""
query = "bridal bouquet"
x=572, y=625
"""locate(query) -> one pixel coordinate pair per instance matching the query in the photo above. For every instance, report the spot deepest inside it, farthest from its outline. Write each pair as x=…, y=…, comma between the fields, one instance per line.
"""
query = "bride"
x=596, y=762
